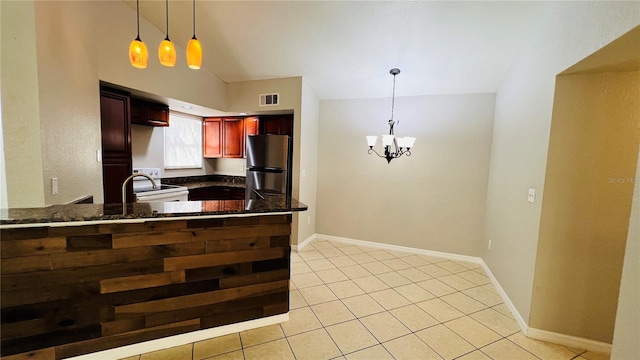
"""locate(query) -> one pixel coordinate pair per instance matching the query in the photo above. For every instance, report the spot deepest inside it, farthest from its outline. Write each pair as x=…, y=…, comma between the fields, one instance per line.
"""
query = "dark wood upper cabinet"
x=149, y=113
x=212, y=138
x=226, y=137
x=233, y=137
x=116, y=144
x=251, y=125
x=250, y=128
x=114, y=122
x=276, y=125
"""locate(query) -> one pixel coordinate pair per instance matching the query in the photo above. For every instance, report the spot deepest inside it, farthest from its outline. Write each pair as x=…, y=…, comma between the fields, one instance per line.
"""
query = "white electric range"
x=144, y=192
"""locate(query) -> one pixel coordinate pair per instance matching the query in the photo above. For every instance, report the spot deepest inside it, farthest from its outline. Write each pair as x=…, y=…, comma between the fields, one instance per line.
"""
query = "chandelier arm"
x=375, y=152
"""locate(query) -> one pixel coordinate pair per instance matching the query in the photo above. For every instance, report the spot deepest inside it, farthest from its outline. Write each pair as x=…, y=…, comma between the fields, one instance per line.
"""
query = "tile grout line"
x=444, y=323
x=391, y=314
x=436, y=297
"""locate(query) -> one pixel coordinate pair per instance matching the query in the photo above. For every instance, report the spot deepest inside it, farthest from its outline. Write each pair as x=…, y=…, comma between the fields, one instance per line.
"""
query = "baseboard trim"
x=181, y=339
x=507, y=301
x=556, y=338
x=448, y=256
x=516, y=315
x=568, y=340
x=304, y=243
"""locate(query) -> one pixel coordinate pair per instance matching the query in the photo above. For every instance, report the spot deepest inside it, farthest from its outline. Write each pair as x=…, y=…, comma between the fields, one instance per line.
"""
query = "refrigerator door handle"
x=266, y=169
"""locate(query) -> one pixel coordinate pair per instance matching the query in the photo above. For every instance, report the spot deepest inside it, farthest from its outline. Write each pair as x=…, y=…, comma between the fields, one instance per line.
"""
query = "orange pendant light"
x=194, y=50
x=138, y=54
x=166, y=51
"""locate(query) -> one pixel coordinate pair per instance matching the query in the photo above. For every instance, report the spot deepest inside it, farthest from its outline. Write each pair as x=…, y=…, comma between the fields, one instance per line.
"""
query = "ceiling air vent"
x=269, y=99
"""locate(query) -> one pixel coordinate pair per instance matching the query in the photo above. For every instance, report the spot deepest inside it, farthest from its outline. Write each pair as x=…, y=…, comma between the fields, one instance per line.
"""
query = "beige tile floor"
x=355, y=302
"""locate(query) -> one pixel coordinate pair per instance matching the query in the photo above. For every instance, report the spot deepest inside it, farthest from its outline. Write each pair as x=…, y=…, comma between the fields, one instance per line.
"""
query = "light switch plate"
x=54, y=186
x=531, y=196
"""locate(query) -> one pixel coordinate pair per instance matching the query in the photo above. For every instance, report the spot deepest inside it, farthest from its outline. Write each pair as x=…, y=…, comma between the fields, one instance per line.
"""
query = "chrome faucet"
x=124, y=188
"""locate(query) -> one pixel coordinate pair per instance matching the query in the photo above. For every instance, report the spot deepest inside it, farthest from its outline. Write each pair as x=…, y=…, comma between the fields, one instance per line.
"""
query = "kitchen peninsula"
x=82, y=278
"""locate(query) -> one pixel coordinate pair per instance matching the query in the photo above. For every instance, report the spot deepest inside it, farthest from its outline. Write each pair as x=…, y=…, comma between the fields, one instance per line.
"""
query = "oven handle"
x=172, y=196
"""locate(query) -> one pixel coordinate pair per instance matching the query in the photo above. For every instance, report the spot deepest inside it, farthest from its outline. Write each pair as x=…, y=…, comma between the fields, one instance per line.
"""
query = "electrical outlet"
x=308, y=219
x=489, y=246
x=54, y=186
x=531, y=195
x=241, y=167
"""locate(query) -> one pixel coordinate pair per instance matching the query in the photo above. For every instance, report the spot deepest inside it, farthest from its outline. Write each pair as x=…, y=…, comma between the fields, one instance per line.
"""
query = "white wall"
x=434, y=199
x=570, y=32
x=625, y=335
x=310, y=108
x=77, y=44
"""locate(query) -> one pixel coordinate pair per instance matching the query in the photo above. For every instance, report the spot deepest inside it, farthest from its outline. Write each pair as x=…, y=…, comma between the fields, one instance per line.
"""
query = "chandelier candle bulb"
x=406, y=142
x=387, y=140
x=410, y=140
x=371, y=141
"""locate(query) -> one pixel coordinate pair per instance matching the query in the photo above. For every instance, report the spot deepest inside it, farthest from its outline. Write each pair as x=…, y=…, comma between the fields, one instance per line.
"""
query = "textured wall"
x=77, y=45
x=20, y=106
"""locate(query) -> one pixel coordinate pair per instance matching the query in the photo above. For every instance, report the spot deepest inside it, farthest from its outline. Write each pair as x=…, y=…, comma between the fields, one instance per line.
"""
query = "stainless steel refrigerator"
x=268, y=167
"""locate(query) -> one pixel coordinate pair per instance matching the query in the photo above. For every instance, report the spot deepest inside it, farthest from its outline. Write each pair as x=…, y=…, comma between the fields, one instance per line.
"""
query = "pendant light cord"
x=138, y=18
x=167, y=17
x=194, y=18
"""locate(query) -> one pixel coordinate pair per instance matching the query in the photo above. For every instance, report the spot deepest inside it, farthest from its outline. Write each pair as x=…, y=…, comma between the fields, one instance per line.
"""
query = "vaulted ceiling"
x=344, y=49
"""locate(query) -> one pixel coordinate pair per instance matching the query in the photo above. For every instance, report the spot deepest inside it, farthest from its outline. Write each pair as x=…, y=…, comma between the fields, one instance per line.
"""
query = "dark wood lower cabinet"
x=114, y=172
x=216, y=193
x=74, y=290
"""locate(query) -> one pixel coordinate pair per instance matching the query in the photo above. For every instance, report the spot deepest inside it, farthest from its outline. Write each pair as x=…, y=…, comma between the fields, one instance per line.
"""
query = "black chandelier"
x=394, y=147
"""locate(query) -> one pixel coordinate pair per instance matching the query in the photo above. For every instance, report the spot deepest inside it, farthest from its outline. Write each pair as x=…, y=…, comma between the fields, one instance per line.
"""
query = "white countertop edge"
x=136, y=221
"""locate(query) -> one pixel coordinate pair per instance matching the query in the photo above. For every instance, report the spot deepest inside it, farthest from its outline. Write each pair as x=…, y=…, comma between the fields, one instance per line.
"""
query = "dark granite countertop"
x=203, y=184
x=151, y=210
x=194, y=182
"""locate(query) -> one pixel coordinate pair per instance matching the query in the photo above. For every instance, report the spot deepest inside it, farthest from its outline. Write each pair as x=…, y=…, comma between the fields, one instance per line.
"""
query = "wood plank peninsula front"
x=91, y=278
